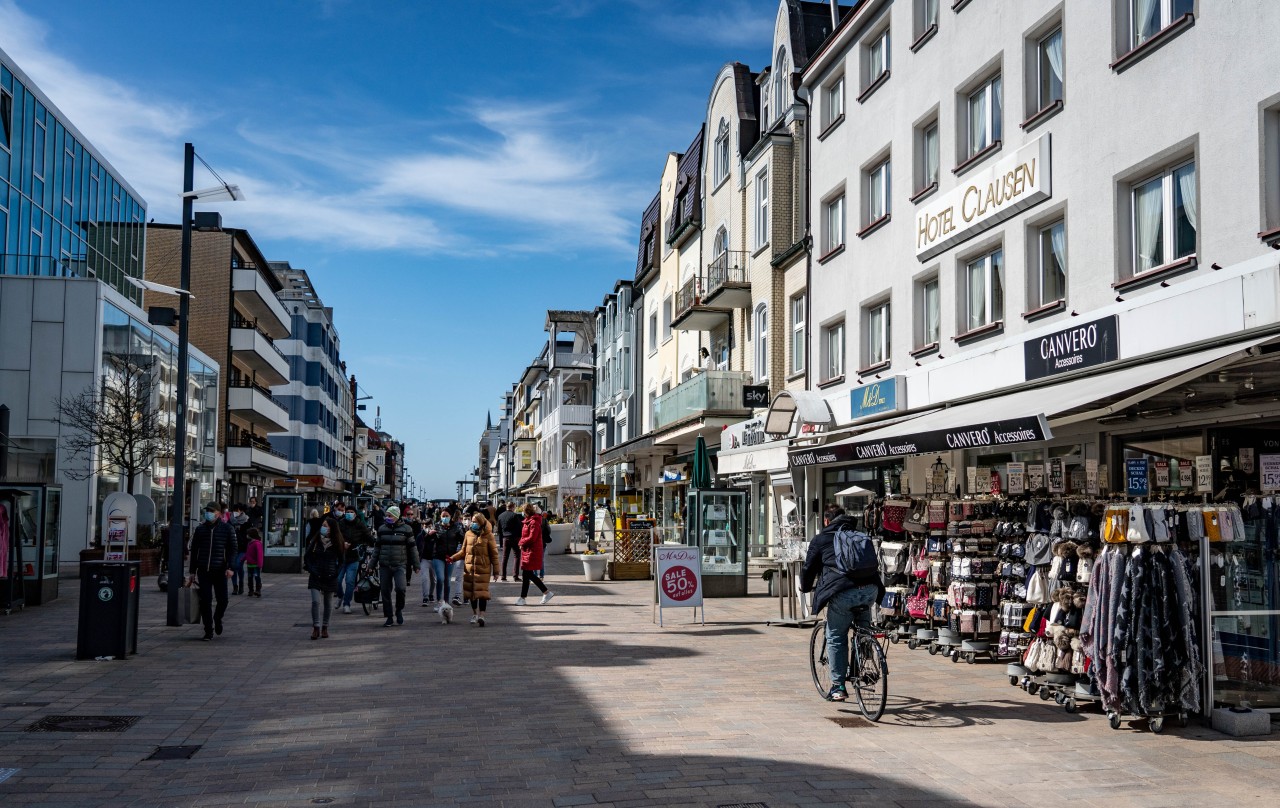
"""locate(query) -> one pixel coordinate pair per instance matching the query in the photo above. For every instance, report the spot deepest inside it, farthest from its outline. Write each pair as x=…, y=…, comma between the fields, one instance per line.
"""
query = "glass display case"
x=34, y=514
x=282, y=540
x=717, y=524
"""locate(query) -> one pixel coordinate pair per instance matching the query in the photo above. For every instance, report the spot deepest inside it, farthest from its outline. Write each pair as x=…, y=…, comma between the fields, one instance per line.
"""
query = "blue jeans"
x=237, y=571
x=442, y=569
x=347, y=582
x=846, y=609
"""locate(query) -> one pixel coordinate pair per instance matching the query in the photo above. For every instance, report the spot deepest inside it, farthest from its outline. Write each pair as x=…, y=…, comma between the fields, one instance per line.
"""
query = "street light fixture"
x=177, y=507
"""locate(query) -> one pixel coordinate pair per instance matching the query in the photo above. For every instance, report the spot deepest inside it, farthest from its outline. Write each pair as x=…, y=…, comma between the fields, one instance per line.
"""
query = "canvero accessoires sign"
x=1081, y=346
x=976, y=436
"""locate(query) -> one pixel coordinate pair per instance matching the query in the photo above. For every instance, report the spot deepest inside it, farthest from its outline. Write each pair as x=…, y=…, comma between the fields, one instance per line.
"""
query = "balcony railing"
x=247, y=441
x=249, y=384
x=240, y=322
x=687, y=296
x=729, y=268
x=712, y=390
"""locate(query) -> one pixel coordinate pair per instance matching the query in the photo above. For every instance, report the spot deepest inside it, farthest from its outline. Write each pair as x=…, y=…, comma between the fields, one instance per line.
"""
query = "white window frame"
x=926, y=16
x=720, y=245
x=781, y=82
x=833, y=350
x=878, y=179
x=766, y=106
x=1045, y=98
x=668, y=314
x=760, y=322
x=762, y=209
x=1044, y=236
x=833, y=102
x=991, y=265
x=930, y=314
x=878, y=324
x=653, y=332
x=1165, y=17
x=721, y=169
x=833, y=223
x=991, y=108
x=1168, y=201
x=797, y=333
x=877, y=56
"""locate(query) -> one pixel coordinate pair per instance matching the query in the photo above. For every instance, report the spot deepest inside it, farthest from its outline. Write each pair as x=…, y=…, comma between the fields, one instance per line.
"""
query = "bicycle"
x=868, y=670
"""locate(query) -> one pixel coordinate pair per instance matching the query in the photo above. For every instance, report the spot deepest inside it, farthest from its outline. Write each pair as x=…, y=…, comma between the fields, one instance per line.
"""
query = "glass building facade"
x=63, y=211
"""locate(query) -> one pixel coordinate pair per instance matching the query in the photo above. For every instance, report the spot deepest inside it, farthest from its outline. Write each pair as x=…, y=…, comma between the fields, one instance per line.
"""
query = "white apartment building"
x=994, y=186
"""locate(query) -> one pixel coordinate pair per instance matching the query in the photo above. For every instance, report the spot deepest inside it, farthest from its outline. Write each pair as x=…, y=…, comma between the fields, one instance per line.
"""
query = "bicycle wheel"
x=870, y=677
x=819, y=665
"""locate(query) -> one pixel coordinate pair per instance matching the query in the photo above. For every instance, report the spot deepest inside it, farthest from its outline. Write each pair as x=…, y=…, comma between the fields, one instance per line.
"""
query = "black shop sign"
x=1081, y=346
x=755, y=395
x=977, y=436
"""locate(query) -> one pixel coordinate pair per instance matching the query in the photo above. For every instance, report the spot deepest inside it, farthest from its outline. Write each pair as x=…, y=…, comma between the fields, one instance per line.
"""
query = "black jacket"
x=820, y=567
x=213, y=546
x=509, y=525
x=396, y=546
x=446, y=541
x=355, y=534
x=322, y=565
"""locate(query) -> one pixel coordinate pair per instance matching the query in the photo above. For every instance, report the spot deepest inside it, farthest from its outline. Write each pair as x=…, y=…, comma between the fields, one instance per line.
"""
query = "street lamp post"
x=178, y=505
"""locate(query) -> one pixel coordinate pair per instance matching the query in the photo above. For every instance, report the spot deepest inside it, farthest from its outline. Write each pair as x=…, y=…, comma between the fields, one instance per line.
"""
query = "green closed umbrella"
x=701, y=466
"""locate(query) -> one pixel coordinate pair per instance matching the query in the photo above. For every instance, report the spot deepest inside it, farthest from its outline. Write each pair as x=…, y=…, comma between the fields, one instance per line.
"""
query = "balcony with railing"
x=248, y=451
x=251, y=346
x=254, y=293
x=712, y=391
x=254, y=405
x=567, y=360
x=693, y=313
x=727, y=284
x=568, y=418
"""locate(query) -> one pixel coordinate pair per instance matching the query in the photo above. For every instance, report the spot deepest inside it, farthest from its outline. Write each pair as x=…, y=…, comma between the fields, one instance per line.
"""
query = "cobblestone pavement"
x=581, y=702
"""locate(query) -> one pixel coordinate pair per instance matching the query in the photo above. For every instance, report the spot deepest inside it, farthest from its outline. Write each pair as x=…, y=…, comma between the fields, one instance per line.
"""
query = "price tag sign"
x=1162, y=474
x=1204, y=474
x=1057, y=476
x=1186, y=474
x=1091, y=475
x=1270, y=465
x=1135, y=477
x=1035, y=477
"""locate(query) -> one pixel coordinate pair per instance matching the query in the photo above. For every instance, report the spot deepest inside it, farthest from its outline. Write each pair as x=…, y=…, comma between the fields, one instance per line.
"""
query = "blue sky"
x=446, y=170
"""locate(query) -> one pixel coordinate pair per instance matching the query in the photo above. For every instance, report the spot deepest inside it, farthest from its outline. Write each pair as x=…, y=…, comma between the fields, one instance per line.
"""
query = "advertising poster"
x=1270, y=465
x=1017, y=478
x=679, y=578
x=1035, y=477
x=1246, y=461
x=1136, y=483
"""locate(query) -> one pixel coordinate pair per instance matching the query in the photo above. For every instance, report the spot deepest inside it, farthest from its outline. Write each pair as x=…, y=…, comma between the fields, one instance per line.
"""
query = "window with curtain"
x=1165, y=215
x=984, y=114
x=833, y=351
x=1149, y=17
x=797, y=333
x=984, y=290
x=761, y=326
x=668, y=307
x=1050, y=69
x=833, y=102
x=929, y=154
x=926, y=15
x=877, y=192
x=833, y=225
x=762, y=209
x=722, y=152
x=877, y=341
x=930, y=322
x=1050, y=281
x=877, y=58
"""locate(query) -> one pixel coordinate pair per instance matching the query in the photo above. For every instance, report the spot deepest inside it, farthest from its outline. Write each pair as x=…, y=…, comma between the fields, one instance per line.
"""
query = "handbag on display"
x=918, y=604
x=1137, y=532
x=894, y=556
x=968, y=622
x=940, y=609
x=1038, y=588
x=921, y=565
x=937, y=514
x=893, y=514
x=1115, y=524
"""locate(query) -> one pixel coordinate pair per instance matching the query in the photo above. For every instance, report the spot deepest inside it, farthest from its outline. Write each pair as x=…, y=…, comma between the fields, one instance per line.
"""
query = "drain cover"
x=84, y=723
x=174, y=752
x=849, y=721
x=743, y=805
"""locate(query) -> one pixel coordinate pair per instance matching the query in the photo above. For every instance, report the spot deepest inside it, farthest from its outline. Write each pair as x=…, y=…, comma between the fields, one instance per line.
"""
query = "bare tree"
x=119, y=422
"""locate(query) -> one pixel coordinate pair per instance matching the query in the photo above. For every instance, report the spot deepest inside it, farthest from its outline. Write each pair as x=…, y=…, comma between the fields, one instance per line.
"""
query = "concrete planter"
x=593, y=566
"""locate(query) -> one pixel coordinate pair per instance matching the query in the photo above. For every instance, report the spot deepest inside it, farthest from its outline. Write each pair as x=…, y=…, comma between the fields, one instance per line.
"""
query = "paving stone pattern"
x=581, y=702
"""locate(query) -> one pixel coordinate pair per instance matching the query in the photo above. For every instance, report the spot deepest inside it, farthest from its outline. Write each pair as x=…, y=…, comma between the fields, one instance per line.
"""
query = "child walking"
x=253, y=562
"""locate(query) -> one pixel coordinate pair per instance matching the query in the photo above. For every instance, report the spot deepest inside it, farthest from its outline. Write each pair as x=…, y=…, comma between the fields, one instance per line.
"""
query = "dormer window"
x=766, y=108
x=781, y=83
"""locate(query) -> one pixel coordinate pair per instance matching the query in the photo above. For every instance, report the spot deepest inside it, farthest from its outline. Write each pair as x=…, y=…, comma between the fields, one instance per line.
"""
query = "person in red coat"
x=531, y=554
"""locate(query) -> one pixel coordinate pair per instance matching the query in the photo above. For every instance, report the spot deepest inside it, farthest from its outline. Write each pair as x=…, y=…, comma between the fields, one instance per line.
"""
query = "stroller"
x=368, y=590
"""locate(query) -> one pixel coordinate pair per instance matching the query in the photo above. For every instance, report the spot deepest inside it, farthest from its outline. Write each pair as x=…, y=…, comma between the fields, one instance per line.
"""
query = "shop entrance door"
x=34, y=515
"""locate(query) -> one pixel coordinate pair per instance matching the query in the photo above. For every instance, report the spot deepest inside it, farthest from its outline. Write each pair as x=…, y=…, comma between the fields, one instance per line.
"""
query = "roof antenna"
x=834, y=16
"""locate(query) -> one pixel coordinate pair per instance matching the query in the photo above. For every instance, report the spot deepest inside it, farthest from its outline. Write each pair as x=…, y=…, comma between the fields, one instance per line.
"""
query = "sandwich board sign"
x=678, y=582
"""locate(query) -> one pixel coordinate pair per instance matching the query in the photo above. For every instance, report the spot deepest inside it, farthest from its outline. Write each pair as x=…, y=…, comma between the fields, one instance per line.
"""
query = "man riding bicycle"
x=849, y=594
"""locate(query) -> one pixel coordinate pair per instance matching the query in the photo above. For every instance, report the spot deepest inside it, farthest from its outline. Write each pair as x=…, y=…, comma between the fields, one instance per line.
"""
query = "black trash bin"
x=108, y=609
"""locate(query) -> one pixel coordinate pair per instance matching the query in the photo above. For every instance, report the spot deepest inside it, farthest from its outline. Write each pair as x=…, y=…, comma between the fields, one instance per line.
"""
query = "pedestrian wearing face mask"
x=323, y=561
x=355, y=535
x=446, y=541
x=240, y=521
x=479, y=555
x=397, y=553
x=213, y=548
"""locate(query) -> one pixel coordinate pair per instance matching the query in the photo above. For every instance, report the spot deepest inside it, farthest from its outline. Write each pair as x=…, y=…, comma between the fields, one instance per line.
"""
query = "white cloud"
x=737, y=25
x=516, y=170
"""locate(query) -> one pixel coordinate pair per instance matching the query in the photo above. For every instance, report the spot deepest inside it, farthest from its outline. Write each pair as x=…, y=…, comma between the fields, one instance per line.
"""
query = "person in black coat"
x=213, y=549
x=323, y=562
x=510, y=524
x=849, y=597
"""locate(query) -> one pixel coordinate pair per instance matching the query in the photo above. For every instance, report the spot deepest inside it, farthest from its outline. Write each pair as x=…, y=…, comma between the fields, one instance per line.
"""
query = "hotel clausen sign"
x=983, y=200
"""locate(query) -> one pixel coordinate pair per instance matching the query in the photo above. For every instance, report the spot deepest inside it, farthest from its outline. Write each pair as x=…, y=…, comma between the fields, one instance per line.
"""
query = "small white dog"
x=446, y=613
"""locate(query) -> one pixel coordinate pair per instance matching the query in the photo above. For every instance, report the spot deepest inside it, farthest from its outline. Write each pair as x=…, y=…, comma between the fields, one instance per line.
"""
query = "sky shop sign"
x=996, y=433
x=1012, y=185
x=1081, y=346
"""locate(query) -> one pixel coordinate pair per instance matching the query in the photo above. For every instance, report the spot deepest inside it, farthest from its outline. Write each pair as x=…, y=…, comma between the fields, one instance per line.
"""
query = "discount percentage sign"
x=679, y=583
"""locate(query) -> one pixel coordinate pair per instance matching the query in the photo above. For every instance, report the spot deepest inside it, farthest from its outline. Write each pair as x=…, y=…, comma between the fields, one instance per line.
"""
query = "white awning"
x=1025, y=416
x=810, y=407
x=769, y=457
